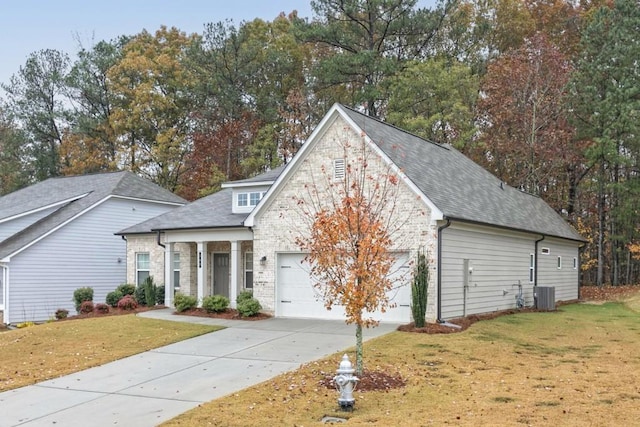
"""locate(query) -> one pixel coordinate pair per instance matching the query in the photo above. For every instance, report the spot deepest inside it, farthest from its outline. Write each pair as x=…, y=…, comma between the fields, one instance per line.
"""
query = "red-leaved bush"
x=86, y=307
x=102, y=308
x=127, y=302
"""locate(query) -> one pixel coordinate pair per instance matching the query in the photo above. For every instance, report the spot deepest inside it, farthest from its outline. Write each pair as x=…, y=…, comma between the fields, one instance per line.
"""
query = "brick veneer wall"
x=282, y=220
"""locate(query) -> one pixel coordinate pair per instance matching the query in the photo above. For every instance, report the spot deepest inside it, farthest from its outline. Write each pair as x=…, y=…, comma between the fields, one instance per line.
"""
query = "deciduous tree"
x=351, y=226
x=152, y=115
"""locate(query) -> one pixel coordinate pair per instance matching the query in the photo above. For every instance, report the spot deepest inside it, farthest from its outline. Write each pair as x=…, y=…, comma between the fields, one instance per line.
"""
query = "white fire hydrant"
x=345, y=384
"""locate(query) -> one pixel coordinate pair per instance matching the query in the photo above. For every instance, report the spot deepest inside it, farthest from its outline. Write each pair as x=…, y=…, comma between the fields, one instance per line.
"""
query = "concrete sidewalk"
x=155, y=386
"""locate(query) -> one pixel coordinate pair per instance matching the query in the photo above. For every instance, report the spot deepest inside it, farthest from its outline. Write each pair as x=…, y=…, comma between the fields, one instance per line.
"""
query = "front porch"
x=208, y=262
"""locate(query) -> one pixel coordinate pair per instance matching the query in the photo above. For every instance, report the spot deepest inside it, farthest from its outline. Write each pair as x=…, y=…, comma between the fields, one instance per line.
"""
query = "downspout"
x=535, y=271
x=158, y=241
x=439, y=274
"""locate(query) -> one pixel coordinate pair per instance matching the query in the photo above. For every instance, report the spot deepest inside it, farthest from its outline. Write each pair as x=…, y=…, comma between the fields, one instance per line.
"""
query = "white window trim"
x=559, y=262
x=138, y=269
x=575, y=263
x=247, y=256
x=532, y=268
x=249, y=202
x=545, y=251
x=174, y=269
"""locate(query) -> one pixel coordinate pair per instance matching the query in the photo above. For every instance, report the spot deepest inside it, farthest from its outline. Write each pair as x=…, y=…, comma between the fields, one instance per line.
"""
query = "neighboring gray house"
x=483, y=238
x=58, y=235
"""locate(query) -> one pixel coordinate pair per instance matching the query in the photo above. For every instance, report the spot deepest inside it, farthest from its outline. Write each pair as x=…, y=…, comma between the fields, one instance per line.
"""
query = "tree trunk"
x=600, y=274
x=359, y=363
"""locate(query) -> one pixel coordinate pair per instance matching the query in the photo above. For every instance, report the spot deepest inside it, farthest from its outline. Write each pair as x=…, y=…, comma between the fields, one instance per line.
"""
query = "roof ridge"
x=437, y=144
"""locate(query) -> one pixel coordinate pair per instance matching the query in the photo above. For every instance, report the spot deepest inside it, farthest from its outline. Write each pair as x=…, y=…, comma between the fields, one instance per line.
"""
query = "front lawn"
x=574, y=367
x=46, y=351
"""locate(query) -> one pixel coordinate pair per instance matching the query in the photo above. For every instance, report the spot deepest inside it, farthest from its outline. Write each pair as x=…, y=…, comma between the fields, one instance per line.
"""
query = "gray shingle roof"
x=213, y=211
x=54, y=190
x=459, y=187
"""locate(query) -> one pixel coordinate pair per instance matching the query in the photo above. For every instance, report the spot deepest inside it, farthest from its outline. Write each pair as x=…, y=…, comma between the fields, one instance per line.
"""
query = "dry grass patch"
x=46, y=351
x=578, y=366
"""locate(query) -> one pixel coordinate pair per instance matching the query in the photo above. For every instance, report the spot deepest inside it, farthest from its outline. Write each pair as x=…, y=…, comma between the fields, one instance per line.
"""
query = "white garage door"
x=296, y=296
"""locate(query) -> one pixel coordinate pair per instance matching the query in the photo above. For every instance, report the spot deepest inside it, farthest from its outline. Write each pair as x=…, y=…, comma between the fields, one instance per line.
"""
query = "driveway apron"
x=155, y=386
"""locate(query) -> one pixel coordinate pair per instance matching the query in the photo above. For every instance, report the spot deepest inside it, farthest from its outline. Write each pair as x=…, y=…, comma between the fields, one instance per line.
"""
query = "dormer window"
x=249, y=199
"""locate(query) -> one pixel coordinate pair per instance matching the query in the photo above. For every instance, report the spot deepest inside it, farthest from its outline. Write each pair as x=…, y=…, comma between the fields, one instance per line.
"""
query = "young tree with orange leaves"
x=351, y=227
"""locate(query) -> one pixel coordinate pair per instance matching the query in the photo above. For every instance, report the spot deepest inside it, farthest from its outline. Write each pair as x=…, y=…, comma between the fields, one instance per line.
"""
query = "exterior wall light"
x=263, y=260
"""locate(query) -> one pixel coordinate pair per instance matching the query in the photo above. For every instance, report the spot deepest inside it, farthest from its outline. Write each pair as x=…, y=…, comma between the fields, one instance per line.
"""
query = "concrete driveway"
x=155, y=386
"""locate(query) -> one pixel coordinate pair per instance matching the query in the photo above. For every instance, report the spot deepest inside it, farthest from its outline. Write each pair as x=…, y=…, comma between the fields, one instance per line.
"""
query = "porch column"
x=236, y=267
x=202, y=270
x=169, y=284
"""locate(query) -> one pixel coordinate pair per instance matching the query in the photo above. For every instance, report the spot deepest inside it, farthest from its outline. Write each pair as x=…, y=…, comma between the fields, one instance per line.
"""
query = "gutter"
x=158, y=240
x=439, y=275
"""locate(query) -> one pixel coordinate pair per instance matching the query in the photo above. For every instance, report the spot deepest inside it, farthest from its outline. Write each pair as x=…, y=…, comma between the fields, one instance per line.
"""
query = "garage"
x=296, y=296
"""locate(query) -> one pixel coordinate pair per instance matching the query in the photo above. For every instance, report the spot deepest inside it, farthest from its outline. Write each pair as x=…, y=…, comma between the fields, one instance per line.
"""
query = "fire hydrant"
x=345, y=384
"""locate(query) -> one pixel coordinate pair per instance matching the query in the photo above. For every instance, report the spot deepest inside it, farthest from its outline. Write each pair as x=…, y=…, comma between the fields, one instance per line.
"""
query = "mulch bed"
x=230, y=314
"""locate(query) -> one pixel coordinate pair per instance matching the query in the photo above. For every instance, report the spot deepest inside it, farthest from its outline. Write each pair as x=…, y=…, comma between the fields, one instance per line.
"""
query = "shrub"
x=126, y=289
x=184, y=302
x=127, y=302
x=249, y=307
x=86, y=307
x=140, y=295
x=113, y=298
x=102, y=308
x=160, y=295
x=80, y=295
x=419, y=287
x=244, y=295
x=215, y=303
x=149, y=291
x=61, y=313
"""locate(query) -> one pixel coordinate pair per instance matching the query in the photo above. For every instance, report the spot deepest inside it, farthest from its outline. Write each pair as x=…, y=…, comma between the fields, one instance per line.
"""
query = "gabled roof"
x=71, y=196
x=459, y=188
x=213, y=211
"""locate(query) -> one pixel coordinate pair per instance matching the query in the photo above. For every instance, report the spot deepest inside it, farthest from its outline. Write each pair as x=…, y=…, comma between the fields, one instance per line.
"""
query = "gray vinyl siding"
x=85, y=252
x=565, y=278
x=9, y=228
x=499, y=261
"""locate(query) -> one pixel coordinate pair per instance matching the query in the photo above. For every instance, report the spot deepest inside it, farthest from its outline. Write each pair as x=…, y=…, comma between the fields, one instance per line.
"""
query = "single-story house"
x=58, y=235
x=486, y=243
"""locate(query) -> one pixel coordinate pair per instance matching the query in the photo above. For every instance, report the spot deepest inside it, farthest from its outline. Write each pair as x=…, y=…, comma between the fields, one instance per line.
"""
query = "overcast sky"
x=28, y=26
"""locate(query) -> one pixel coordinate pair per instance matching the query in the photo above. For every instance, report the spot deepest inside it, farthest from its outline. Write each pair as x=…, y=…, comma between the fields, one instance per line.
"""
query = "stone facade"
x=279, y=223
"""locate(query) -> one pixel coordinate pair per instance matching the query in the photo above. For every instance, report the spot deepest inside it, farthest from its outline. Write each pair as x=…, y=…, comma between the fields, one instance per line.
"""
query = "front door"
x=221, y=274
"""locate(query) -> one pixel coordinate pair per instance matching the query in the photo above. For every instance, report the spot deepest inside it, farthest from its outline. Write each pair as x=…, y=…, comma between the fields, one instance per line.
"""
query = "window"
x=575, y=263
x=249, y=199
x=545, y=251
x=339, y=169
x=532, y=266
x=142, y=267
x=559, y=262
x=248, y=270
x=176, y=271
x=3, y=279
